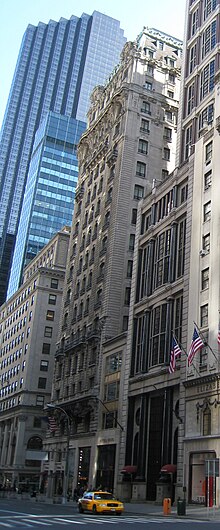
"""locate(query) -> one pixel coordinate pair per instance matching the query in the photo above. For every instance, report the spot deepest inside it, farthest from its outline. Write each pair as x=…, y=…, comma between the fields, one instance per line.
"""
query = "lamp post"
x=66, y=469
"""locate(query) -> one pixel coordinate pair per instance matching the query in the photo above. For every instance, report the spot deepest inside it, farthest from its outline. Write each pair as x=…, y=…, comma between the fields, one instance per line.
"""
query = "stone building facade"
x=128, y=147
x=29, y=323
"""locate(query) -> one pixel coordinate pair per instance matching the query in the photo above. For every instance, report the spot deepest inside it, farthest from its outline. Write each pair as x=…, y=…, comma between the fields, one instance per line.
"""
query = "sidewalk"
x=200, y=513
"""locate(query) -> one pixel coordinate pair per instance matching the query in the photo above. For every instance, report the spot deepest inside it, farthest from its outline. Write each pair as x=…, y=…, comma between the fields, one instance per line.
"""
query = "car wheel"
x=81, y=509
x=94, y=509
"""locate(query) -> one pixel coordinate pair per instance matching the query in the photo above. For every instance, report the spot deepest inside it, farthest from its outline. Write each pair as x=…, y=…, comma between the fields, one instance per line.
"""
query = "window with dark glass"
x=42, y=382
x=44, y=366
x=131, y=242
x=48, y=331
x=141, y=169
x=52, y=300
x=162, y=259
x=54, y=283
x=46, y=348
x=127, y=295
x=204, y=316
x=207, y=211
x=50, y=315
x=158, y=331
x=143, y=147
x=113, y=363
x=145, y=107
x=138, y=192
x=207, y=79
x=111, y=391
x=181, y=248
x=207, y=421
x=134, y=216
x=129, y=268
x=206, y=243
x=205, y=278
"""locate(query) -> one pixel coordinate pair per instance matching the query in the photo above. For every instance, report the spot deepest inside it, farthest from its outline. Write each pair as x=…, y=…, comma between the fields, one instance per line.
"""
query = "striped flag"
x=175, y=352
x=195, y=346
x=52, y=423
x=218, y=338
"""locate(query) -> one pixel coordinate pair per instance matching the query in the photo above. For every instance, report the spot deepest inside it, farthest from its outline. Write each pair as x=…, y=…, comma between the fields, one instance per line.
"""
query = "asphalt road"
x=25, y=514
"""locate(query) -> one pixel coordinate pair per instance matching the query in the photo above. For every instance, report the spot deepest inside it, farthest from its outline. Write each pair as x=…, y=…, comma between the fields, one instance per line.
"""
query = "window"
x=188, y=141
x=54, y=283
x=171, y=78
x=208, y=179
x=170, y=94
x=181, y=248
x=209, y=39
x=162, y=259
x=207, y=211
x=168, y=115
x=208, y=153
x=145, y=107
x=145, y=126
x=44, y=366
x=37, y=422
x=46, y=348
x=141, y=170
x=127, y=295
x=192, y=58
x=109, y=420
x=138, y=192
x=143, y=147
x=125, y=323
x=208, y=7
x=194, y=22
x=165, y=173
x=50, y=315
x=157, y=341
x=183, y=193
x=129, y=268
x=148, y=85
x=207, y=421
x=42, y=382
x=134, y=216
x=111, y=391
x=204, y=316
x=207, y=79
x=167, y=134
x=40, y=401
x=166, y=153
x=205, y=279
x=206, y=243
x=113, y=363
x=131, y=242
x=190, y=98
x=48, y=331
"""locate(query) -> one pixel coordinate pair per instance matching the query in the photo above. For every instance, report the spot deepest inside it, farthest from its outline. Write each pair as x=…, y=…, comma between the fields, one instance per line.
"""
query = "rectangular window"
x=48, y=331
x=37, y=422
x=207, y=211
x=50, y=315
x=44, y=366
x=145, y=107
x=192, y=58
x=138, y=192
x=127, y=295
x=131, y=242
x=168, y=115
x=113, y=363
x=145, y=126
x=162, y=259
x=209, y=38
x=111, y=391
x=190, y=98
x=208, y=153
x=42, y=382
x=170, y=94
x=205, y=279
x=194, y=22
x=143, y=147
x=158, y=331
x=181, y=248
x=109, y=420
x=39, y=401
x=166, y=153
x=167, y=134
x=207, y=79
x=204, y=316
x=206, y=243
x=52, y=300
x=208, y=7
x=148, y=85
x=129, y=268
x=134, y=216
x=46, y=348
x=54, y=283
x=141, y=170
x=207, y=179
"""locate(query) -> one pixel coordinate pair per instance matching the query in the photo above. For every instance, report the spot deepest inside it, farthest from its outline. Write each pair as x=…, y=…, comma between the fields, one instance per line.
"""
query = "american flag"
x=218, y=338
x=52, y=424
x=175, y=352
x=195, y=346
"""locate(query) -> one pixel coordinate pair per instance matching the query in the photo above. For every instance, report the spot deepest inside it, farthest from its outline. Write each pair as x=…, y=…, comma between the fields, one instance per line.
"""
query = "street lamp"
x=66, y=469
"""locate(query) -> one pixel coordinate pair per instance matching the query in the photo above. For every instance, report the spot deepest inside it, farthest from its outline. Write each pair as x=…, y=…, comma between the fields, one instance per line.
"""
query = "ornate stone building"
x=128, y=147
x=29, y=323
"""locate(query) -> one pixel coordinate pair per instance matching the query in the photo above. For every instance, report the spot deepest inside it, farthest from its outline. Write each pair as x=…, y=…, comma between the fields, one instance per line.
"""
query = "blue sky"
x=15, y=15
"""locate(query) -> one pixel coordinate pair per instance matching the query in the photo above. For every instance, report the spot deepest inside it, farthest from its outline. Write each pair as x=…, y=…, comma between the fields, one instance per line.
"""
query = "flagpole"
x=184, y=351
x=205, y=341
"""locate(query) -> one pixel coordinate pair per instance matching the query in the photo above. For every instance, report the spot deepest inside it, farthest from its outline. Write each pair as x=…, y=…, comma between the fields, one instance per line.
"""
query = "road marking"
x=68, y=520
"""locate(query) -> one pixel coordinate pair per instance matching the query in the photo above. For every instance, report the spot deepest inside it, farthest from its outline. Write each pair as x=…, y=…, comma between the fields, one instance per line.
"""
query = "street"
x=28, y=514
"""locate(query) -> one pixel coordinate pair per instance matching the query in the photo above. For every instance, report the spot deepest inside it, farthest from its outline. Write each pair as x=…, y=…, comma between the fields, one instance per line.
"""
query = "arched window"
x=35, y=443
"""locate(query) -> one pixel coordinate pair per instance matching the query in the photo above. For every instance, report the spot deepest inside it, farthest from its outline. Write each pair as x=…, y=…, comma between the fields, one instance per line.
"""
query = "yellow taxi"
x=100, y=502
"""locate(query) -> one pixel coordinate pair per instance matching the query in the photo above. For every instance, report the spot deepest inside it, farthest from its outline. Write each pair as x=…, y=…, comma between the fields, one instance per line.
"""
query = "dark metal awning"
x=129, y=469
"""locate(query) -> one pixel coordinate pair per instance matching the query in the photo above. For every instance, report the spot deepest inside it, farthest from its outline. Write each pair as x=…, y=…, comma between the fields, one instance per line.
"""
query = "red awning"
x=129, y=469
x=169, y=468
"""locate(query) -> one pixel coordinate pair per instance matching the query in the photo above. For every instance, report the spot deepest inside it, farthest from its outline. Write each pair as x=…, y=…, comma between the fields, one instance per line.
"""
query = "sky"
x=15, y=15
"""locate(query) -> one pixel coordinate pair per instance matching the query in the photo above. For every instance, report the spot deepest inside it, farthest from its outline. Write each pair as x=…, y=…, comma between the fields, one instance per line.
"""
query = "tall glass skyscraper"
x=58, y=65
x=50, y=190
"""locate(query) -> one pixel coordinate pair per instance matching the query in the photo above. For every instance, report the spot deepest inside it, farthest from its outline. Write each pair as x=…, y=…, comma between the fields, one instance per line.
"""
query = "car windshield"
x=104, y=496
